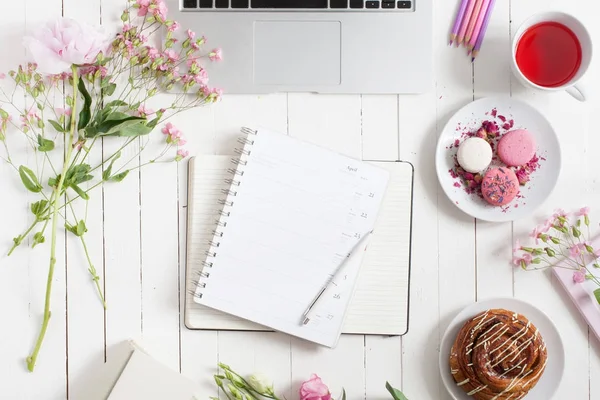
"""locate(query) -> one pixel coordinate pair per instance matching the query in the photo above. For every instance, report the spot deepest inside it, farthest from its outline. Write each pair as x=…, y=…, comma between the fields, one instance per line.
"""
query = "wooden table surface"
x=137, y=232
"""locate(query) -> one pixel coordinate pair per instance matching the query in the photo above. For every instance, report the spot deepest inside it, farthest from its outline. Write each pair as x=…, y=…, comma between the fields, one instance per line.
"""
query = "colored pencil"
x=478, y=24
x=473, y=21
x=465, y=22
x=483, y=30
x=458, y=21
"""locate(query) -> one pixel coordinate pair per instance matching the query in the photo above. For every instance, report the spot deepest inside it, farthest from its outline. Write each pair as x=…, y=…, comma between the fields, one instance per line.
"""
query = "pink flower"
x=201, y=77
x=191, y=34
x=575, y=250
x=159, y=9
x=143, y=7
x=171, y=55
x=525, y=259
x=582, y=212
x=62, y=111
x=126, y=27
x=314, y=389
x=216, y=55
x=58, y=45
x=560, y=213
x=183, y=153
x=578, y=276
x=2, y=75
x=170, y=130
x=142, y=111
x=517, y=247
x=153, y=53
x=174, y=26
x=181, y=141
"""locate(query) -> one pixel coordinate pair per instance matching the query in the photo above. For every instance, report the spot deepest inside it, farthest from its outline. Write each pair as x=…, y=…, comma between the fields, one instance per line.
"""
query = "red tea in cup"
x=549, y=54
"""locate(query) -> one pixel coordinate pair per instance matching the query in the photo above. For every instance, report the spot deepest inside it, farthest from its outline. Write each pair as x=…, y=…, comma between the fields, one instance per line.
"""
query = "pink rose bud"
x=314, y=389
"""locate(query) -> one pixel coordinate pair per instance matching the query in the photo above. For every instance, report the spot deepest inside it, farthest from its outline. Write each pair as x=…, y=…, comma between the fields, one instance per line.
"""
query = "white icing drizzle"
x=454, y=371
x=477, y=390
x=463, y=382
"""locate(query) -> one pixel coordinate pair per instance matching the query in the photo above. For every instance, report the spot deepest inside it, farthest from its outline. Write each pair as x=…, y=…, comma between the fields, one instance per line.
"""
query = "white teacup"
x=574, y=86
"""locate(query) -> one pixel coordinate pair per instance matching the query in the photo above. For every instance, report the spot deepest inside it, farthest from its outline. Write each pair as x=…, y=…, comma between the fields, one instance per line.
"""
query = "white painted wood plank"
x=332, y=122
x=85, y=339
x=492, y=78
x=383, y=363
x=121, y=204
x=565, y=115
x=379, y=127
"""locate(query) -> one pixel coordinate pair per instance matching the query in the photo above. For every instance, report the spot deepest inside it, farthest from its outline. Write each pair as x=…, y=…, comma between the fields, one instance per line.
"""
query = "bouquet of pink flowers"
x=258, y=386
x=84, y=89
x=562, y=237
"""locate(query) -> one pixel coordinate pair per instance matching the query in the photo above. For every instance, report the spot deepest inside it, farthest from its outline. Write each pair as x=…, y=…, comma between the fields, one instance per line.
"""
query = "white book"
x=266, y=232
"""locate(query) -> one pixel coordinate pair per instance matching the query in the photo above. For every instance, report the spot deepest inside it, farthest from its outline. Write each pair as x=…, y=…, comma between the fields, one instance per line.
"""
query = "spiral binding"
x=228, y=202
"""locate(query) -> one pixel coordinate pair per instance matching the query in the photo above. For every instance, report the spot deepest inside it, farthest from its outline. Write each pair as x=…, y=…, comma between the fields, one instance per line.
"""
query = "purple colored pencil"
x=484, y=27
x=458, y=21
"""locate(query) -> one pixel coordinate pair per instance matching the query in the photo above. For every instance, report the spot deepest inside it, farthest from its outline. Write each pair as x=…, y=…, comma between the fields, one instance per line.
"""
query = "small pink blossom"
x=143, y=7
x=582, y=212
x=517, y=247
x=191, y=34
x=142, y=111
x=575, y=251
x=159, y=9
x=560, y=213
x=183, y=153
x=126, y=27
x=153, y=53
x=201, y=77
x=314, y=389
x=216, y=55
x=174, y=26
x=61, y=111
x=172, y=55
x=170, y=130
x=181, y=141
x=526, y=259
x=579, y=276
x=2, y=75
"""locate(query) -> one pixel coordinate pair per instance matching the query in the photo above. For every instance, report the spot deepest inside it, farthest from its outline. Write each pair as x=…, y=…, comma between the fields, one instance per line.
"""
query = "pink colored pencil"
x=465, y=22
x=458, y=21
x=483, y=30
x=473, y=21
x=479, y=24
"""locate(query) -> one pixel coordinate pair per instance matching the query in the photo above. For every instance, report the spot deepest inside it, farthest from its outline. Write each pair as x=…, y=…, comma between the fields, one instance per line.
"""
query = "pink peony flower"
x=582, y=212
x=216, y=55
x=58, y=45
x=191, y=34
x=314, y=389
x=578, y=276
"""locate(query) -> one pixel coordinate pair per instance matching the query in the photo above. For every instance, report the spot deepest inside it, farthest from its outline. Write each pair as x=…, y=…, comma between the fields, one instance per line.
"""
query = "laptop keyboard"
x=338, y=5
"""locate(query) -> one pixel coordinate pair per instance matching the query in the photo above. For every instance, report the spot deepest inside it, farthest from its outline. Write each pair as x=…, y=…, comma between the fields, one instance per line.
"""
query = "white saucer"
x=550, y=380
x=542, y=181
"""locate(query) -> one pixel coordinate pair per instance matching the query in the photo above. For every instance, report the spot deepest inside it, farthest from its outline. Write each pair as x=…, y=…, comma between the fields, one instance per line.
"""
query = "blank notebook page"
x=295, y=213
x=379, y=304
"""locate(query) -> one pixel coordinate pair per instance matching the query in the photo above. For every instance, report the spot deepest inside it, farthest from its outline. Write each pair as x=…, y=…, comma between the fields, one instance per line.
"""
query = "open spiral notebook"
x=267, y=229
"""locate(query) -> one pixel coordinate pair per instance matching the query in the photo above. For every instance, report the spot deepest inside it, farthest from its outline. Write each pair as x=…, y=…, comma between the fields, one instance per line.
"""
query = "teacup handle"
x=578, y=92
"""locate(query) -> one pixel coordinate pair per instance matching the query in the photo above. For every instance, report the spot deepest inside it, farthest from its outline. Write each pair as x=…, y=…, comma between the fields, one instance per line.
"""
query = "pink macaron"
x=516, y=148
x=499, y=186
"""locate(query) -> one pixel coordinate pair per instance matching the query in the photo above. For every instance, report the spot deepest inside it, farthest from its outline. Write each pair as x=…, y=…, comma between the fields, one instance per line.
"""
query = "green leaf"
x=119, y=177
x=80, y=192
x=396, y=394
x=152, y=124
x=85, y=114
x=57, y=126
x=29, y=179
x=45, y=145
x=109, y=89
x=52, y=182
x=115, y=103
x=39, y=207
x=343, y=394
x=78, y=174
x=108, y=171
x=38, y=238
x=81, y=228
x=138, y=129
x=3, y=114
x=597, y=295
x=113, y=122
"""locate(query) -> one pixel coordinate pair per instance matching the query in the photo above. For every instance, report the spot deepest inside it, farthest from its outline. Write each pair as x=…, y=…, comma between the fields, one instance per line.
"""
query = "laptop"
x=322, y=46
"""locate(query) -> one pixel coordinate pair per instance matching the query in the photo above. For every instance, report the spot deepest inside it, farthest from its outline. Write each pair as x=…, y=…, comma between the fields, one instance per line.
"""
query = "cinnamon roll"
x=498, y=355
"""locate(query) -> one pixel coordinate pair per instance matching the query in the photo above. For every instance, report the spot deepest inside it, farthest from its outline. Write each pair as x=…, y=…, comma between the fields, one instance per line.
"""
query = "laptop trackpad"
x=297, y=52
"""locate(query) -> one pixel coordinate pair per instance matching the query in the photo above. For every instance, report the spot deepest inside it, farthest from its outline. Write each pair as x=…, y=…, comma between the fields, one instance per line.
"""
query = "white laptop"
x=325, y=46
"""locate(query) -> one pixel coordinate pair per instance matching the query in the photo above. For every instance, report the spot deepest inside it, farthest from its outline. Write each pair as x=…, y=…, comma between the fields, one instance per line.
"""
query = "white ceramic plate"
x=524, y=116
x=548, y=383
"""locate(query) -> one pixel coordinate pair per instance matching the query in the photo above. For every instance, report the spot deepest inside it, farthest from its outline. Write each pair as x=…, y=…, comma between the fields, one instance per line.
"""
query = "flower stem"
x=92, y=271
x=31, y=360
x=23, y=236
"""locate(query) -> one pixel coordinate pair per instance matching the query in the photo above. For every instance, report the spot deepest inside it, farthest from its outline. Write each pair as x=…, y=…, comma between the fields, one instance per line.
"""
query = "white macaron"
x=474, y=155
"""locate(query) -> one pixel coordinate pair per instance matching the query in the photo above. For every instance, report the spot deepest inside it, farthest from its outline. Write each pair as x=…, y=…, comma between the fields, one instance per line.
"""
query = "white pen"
x=307, y=314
